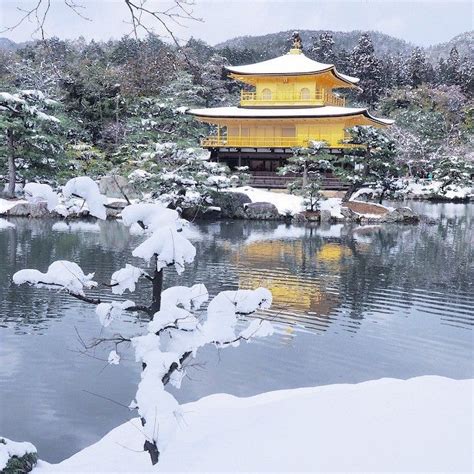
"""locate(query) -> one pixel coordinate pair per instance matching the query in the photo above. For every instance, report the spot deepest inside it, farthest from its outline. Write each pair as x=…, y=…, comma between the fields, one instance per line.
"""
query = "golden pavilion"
x=292, y=102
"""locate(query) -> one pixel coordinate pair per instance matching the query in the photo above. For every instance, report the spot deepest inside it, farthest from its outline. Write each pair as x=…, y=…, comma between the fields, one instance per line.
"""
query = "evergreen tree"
x=453, y=172
x=323, y=48
x=370, y=163
x=418, y=68
x=366, y=66
x=29, y=135
x=306, y=165
x=453, y=68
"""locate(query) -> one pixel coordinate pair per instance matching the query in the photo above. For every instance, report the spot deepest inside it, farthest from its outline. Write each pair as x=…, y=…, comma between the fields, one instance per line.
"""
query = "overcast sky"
x=420, y=22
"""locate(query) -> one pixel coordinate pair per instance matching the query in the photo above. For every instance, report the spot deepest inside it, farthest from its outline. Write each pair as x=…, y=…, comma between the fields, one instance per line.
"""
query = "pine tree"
x=453, y=68
x=366, y=66
x=29, y=135
x=306, y=166
x=372, y=163
x=453, y=172
x=418, y=68
x=323, y=48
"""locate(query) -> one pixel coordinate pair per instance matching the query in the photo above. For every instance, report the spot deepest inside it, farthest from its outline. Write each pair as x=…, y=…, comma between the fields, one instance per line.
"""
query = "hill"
x=8, y=45
x=463, y=42
x=275, y=44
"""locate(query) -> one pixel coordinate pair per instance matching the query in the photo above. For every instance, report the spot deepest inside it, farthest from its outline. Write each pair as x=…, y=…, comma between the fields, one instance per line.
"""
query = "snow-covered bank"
x=422, y=424
x=431, y=189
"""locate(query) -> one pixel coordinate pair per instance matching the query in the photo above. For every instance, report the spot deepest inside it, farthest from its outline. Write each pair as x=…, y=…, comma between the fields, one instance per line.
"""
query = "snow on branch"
x=107, y=312
x=37, y=192
x=125, y=279
x=87, y=189
x=61, y=274
x=169, y=247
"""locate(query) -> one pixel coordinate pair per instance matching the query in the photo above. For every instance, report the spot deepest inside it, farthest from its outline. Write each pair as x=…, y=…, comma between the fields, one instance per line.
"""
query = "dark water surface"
x=351, y=304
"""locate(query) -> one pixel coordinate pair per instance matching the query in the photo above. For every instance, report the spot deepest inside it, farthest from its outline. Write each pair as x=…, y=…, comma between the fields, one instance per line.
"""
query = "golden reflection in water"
x=286, y=269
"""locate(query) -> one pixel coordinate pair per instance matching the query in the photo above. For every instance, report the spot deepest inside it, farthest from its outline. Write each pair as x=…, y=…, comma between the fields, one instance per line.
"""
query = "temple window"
x=266, y=94
x=305, y=94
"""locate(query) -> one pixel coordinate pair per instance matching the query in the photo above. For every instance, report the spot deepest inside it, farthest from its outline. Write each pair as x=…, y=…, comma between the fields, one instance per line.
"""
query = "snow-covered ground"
x=288, y=203
x=285, y=203
x=424, y=189
x=422, y=424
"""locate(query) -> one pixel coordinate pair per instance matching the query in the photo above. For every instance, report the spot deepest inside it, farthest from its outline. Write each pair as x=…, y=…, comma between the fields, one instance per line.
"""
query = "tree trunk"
x=150, y=446
x=305, y=174
x=157, y=289
x=11, y=164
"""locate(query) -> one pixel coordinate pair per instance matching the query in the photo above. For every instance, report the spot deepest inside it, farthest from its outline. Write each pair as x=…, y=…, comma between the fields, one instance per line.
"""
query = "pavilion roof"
x=290, y=64
x=286, y=113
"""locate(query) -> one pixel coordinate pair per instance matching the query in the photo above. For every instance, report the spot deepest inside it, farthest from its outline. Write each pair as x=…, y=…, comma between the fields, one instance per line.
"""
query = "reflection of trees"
x=315, y=275
x=33, y=244
x=405, y=260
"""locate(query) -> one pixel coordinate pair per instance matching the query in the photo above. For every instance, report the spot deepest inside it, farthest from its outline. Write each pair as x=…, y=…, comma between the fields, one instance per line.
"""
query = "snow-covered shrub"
x=16, y=458
x=182, y=177
x=177, y=327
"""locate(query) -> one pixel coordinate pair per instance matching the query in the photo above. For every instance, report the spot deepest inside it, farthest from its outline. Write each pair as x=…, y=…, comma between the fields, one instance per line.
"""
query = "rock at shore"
x=401, y=214
x=231, y=204
x=27, y=209
x=117, y=187
x=261, y=211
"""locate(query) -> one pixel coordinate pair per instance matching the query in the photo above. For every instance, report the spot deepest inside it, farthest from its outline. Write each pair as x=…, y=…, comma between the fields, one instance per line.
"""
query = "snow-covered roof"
x=309, y=112
x=290, y=65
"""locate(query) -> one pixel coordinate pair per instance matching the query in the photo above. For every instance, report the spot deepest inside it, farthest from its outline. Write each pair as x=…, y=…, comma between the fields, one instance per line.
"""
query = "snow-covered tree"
x=453, y=68
x=182, y=177
x=306, y=165
x=418, y=68
x=323, y=48
x=29, y=134
x=371, y=163
x=453, y=172
x=177, y=328
x=366, y=66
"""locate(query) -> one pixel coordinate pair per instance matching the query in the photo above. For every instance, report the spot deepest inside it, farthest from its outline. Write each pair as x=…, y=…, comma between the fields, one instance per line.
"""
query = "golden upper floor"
x=291, y=80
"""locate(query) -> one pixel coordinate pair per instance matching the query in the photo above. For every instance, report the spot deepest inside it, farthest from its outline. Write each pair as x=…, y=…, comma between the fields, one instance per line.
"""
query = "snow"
x=285, y=203
x=10, y=448
x=170, y=248
x=289, y=64
x=114, y=358
x=125, y=279
x=418, y=425
x=38, y=192
x=87, y=189
x=107, y=312
x=7, y=204
x=76, y=227
x=4, y=224
x=427, y=188
x=151, y=215
x=61, y=274
x=333, y=205
x=307, y=112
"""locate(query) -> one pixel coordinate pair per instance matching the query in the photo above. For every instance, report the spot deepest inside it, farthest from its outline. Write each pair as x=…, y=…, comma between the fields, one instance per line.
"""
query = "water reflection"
x=351, y=303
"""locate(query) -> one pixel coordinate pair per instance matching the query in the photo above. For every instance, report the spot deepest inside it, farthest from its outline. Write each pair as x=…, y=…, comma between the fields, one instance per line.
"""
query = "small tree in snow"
x=182, y=178
x=371, y=163
x=28, y=132
x=453, y=172
x=176, y=328
x=306, y=164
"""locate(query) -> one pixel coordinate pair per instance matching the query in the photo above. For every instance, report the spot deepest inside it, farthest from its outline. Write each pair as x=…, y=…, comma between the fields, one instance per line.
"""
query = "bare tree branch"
x=138, y=11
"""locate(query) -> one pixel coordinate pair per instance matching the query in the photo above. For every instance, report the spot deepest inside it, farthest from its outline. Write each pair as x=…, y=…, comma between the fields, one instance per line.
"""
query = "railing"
x=273, y=180
x=318, y=97
x=267, y=142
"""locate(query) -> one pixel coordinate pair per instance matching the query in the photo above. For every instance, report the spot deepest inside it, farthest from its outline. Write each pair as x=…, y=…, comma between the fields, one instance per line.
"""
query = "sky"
x=420, y=22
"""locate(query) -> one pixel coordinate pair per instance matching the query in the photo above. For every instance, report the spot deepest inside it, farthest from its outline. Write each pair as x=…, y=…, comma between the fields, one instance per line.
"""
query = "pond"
x=351, y=304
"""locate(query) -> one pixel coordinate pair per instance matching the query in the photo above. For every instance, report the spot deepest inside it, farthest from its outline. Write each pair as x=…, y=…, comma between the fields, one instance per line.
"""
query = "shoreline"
x=323, y=421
